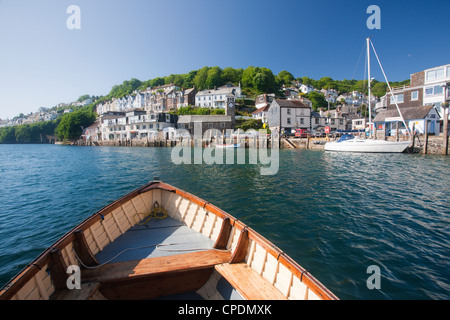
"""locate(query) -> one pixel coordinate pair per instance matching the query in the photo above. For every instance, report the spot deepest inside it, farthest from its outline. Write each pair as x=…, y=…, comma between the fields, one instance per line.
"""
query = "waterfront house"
x=286, y=115
x=415, y=117
x=435, y=91
x=330, y=118
x=359, y=124
x=109, y=124
x=136, y=124
x=93, y=133
x=426, y=88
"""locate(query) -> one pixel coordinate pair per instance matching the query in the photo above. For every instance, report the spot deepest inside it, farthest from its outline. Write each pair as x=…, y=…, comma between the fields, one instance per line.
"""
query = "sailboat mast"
x=368, y=71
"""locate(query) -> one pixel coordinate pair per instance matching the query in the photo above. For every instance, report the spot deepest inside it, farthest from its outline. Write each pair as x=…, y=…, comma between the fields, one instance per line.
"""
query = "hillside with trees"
x=253, y=81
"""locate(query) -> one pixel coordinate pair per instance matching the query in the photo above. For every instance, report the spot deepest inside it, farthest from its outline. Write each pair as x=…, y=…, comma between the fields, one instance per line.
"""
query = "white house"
x=306, y=88
x=435, y=90
x=285, y=115
x=261, y=113
x=217, y=97
x=121, y=126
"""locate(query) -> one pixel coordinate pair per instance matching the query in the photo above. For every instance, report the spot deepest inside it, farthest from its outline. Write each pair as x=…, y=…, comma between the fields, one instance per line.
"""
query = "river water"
x=336, y=214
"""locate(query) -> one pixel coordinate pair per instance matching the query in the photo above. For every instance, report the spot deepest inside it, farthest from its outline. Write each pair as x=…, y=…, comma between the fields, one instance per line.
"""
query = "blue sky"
x=43, y=63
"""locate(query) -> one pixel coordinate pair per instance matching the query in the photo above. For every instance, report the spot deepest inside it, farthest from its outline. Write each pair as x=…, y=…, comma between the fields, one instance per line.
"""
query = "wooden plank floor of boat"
x=134, y=267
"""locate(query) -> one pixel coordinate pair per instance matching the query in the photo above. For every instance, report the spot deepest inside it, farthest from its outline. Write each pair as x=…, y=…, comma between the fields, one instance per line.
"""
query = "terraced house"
x=157, y=99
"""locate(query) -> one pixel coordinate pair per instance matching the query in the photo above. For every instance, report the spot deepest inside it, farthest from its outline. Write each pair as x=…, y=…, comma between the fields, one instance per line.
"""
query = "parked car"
x=301, y=133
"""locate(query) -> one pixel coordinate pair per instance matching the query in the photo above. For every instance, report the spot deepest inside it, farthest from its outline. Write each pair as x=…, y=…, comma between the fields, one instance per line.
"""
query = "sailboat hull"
x=367, y=146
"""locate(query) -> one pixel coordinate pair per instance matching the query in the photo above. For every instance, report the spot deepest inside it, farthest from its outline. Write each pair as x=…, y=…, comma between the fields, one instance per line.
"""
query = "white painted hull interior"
x=190, y=250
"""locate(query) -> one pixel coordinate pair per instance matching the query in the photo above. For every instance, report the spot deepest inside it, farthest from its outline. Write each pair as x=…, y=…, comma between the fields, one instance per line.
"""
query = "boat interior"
x=189, y=250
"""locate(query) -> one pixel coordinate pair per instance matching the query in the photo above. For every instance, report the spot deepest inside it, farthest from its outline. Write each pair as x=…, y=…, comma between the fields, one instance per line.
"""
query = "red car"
x=302, y=133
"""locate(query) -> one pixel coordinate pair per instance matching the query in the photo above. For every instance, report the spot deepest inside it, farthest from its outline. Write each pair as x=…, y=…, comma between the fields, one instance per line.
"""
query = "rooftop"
x=285, y=103
x=409, y=113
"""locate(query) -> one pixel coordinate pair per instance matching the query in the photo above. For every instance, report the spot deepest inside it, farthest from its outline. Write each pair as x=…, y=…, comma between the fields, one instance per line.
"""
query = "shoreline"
x=432, y=145
x=422, y=144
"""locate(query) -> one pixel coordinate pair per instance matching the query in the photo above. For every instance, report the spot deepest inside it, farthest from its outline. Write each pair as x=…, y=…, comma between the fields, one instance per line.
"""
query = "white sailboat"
x=348, y=143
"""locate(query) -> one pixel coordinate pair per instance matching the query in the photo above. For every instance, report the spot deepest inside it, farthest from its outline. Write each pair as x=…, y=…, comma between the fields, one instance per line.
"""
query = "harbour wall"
x=422, y=144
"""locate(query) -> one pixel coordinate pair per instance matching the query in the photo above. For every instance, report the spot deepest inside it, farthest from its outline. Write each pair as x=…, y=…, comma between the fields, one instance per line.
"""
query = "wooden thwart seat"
x=249, y=284
x=87, y=292
x=147, y=278
x=155, y=266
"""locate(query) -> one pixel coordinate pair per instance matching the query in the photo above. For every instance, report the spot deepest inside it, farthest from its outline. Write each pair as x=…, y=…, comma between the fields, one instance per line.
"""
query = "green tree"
x=259, y=81
x=317, y=99
x=247, y=76
x=231, y=75
x=188, y=79
x=200, y=78
x=379, y=89
x=83, y=97
x=70, y=127
x=157, y=82
x=213, y=78
x=8, y=135
x=285, y=77
x=250, y=124
x=325, y=83
x=23, y=133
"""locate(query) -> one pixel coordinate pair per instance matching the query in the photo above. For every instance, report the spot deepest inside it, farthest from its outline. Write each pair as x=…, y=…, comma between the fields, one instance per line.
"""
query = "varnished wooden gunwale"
x=11, y=288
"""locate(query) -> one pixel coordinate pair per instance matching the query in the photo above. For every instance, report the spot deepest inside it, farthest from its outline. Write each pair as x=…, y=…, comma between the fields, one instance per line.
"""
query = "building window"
x=317, y=120
x=436, y=74
x=302, y=121
x=288, y=120
x=288, y=111
x=415, y=95
x=432, y=91
x=440, y=73
x=398, y=97
x=438, y=90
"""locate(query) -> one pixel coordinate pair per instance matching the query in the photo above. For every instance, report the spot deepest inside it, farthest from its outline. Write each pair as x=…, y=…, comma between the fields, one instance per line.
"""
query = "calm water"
x=336, y=214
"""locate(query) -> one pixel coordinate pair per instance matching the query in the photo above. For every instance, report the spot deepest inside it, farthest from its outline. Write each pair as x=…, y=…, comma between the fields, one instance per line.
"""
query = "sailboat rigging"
x=349, y=143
